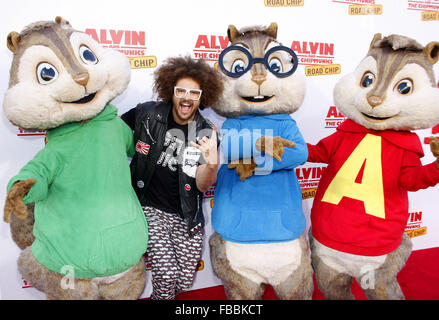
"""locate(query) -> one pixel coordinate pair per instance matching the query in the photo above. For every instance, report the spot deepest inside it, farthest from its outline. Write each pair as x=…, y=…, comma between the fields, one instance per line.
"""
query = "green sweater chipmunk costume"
x=87, y=216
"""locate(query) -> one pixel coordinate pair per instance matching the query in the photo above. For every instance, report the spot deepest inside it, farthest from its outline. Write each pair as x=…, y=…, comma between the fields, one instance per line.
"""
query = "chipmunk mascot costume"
x=257, y=214
x=361, y=205
x=89, y=231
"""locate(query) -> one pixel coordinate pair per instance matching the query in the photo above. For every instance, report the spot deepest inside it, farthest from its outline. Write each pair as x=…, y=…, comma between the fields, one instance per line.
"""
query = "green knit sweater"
x=87, y=215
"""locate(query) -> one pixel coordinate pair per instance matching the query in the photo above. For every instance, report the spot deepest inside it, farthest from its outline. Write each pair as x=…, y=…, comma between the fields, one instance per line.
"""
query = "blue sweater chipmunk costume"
x=260, y=221
x=257, y=213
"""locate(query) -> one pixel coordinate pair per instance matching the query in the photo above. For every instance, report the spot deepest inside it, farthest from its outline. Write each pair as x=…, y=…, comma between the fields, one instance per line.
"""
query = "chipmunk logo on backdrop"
x=284, y=3
x=209, y=47
x=317, y=56
x=210, y=194
x=434, y=133
x=130, y=43
x=362, y=7
x=25, y=284
x=414, y=226
x=429, y=8
x=309, y=178
x=22, y=133
x=334, y=118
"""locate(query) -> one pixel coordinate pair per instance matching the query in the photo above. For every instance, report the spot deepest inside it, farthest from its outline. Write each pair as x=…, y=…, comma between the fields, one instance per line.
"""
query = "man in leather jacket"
x=176, y=161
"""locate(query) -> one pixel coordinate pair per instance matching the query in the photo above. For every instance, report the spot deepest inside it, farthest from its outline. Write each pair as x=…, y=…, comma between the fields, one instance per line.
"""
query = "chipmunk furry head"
x=60, y=75
x=393, y=87
x=264, y=88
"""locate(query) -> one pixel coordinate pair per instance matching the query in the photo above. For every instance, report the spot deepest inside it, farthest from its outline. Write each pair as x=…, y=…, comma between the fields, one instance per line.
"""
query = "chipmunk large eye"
x=46, y=73
x=275, y=65
x=238, y=66
x=404, y=86
x=367, y=80
x=87, y=55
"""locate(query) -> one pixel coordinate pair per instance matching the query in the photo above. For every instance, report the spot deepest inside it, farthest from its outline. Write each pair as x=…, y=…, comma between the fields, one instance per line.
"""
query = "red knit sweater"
x=361, y=204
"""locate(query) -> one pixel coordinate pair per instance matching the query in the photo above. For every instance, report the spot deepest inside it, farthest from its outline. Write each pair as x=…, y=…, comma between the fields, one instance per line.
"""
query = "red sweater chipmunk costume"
x=361, y=205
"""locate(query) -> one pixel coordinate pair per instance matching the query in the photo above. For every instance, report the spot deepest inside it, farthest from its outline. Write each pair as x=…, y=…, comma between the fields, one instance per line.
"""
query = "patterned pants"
x=173, y=255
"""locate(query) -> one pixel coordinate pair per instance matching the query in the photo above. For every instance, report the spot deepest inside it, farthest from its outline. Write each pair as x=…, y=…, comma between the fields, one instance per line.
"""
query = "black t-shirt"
x=163, y=191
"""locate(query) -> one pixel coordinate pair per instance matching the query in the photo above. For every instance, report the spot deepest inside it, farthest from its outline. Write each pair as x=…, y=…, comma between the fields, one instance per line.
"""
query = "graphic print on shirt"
x=176, y=151
x=361, y=178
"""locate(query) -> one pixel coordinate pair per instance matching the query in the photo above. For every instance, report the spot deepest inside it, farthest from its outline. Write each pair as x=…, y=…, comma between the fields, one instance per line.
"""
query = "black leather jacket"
x=150, y=127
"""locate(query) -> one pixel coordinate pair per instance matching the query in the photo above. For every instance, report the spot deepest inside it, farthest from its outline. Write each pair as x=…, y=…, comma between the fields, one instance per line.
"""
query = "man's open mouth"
x=185, y=108
x=374, y=117
x=85, y=99
x=257, y=98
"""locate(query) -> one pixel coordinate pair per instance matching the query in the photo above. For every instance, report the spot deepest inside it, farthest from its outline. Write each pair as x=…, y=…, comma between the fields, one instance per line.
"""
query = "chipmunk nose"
x=374, y=101
x=81, y=78
x=258, y=79
x=259, y=74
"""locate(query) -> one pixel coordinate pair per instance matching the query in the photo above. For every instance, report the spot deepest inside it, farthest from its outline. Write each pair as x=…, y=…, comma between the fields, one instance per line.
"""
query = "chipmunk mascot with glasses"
x=257, y=214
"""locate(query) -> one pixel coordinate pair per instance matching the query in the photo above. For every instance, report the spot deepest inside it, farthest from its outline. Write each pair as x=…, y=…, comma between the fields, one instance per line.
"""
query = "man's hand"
x=206, y=173
x=434, y=146
x=14, y=200
x=274, y=146
x=244, y=168
x=209, y=148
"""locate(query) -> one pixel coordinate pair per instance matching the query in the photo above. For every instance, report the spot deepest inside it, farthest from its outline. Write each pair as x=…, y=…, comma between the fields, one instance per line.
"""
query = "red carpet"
x=419, y=280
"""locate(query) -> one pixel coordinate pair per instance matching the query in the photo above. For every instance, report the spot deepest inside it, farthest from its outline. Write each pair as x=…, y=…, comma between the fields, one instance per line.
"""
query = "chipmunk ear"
x=272, y=30
x=376, y=37
x=232, y=33
x=13, y=41
x=61, y=20
x=432, y=52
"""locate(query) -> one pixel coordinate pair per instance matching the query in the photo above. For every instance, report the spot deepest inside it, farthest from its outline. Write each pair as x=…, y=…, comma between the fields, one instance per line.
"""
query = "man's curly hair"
x=167, y=75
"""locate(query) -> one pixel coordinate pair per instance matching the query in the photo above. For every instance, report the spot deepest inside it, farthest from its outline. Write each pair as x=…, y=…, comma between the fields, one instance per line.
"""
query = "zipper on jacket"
x=147, y=130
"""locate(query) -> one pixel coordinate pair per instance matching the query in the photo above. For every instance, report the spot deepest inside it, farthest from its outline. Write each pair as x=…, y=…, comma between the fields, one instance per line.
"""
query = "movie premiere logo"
x=309, y=178
x=434, y=131
x=317, y=57
x=333, y=118
x=210, y=194
x=362, y=7
x=209, y=47
x=148, y=264
x=25, y=284
x=130, y=43
x=284, y=3
x=23, y=133
x=414, y=226
x=429, y=8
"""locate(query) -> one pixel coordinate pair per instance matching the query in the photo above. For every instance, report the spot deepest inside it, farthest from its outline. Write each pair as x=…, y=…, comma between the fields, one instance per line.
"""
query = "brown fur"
x=298, y=286
x=337, y=286
x=130, y=286
x=247, y=35
x=395, y=51
x=236, y=286
x=22, y=230
x=274, y=146
x=434, y=146
x=35, y=34
x=244, y=168
x=14, y=199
